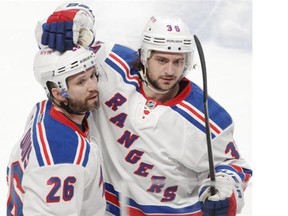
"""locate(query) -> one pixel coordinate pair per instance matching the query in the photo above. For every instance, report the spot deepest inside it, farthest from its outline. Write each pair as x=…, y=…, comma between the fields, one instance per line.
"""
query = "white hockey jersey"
x=53, y=170
x=155, y=154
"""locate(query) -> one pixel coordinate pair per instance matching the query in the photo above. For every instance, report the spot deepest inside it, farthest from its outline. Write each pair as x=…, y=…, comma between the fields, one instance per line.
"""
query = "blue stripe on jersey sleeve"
x=122, y=73
x=86, y=155
x=115, y=210
x=34, y=136
x=192, y=120
x=216, y=112
x=113, y=206
x=128, y=55
x=163, y=210
x=241, y=173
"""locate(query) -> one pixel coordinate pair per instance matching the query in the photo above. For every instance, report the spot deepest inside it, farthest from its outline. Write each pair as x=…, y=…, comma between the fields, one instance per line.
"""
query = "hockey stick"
x=207, y=125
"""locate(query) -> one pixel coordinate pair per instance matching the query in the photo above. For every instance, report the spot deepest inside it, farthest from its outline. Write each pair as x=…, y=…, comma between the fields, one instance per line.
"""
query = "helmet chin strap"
x=155, y=90
x=143, y=75
x=149, y=85
x=69, y=110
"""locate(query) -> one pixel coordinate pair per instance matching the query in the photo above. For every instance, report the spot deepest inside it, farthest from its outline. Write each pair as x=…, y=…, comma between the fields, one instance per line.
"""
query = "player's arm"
x=232, y=176
x=69, y=24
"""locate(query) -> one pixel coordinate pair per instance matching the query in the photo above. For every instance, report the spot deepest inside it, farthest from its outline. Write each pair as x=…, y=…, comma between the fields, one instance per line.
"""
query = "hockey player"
x=151, y=122
x=53, y=170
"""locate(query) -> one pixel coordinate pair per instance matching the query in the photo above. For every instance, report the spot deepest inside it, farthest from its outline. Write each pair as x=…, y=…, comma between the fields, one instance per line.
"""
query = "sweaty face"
x=165, y=69
x=83, y=91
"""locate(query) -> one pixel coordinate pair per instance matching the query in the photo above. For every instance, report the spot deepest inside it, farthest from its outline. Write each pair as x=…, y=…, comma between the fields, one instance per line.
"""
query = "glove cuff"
x=237, y=188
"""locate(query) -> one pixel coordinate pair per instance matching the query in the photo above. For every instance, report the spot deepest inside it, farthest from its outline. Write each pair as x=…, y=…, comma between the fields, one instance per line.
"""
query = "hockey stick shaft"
x=206, y=113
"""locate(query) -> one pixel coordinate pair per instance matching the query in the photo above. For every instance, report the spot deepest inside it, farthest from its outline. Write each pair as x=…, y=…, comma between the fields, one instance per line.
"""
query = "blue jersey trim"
x=35, y=140
x=62, y=140
x=127, y=57
x=217, y=114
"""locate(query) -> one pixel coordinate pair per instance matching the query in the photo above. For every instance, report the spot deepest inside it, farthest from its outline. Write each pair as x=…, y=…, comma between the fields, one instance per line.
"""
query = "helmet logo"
x=86, y=59
x=174, y=41
x=45, y=52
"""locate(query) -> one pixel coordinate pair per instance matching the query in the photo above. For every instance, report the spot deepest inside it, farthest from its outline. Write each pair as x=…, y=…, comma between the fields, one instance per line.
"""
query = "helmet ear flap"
x=145, y=55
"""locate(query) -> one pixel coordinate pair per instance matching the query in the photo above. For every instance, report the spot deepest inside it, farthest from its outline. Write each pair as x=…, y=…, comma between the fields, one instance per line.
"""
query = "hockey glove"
x=223, y=203
x=67, y=26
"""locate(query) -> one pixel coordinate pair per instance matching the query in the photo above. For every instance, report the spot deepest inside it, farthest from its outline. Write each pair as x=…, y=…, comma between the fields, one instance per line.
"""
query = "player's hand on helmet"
x=223, y=203
x=69, y=25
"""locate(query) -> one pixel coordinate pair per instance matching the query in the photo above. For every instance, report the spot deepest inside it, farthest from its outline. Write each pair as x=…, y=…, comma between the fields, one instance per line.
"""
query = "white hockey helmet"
x=168, y=34
x=56, y=67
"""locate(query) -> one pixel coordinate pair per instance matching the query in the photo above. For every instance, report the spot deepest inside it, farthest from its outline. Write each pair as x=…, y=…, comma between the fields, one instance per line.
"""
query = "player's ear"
x=57, y=94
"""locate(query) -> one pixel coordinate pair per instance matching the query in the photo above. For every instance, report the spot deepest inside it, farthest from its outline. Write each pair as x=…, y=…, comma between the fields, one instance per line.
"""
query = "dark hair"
x=137, y=64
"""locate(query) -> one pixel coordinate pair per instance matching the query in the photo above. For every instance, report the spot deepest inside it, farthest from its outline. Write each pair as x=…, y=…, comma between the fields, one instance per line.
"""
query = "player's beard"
x=156, y=85
x=80, y=106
